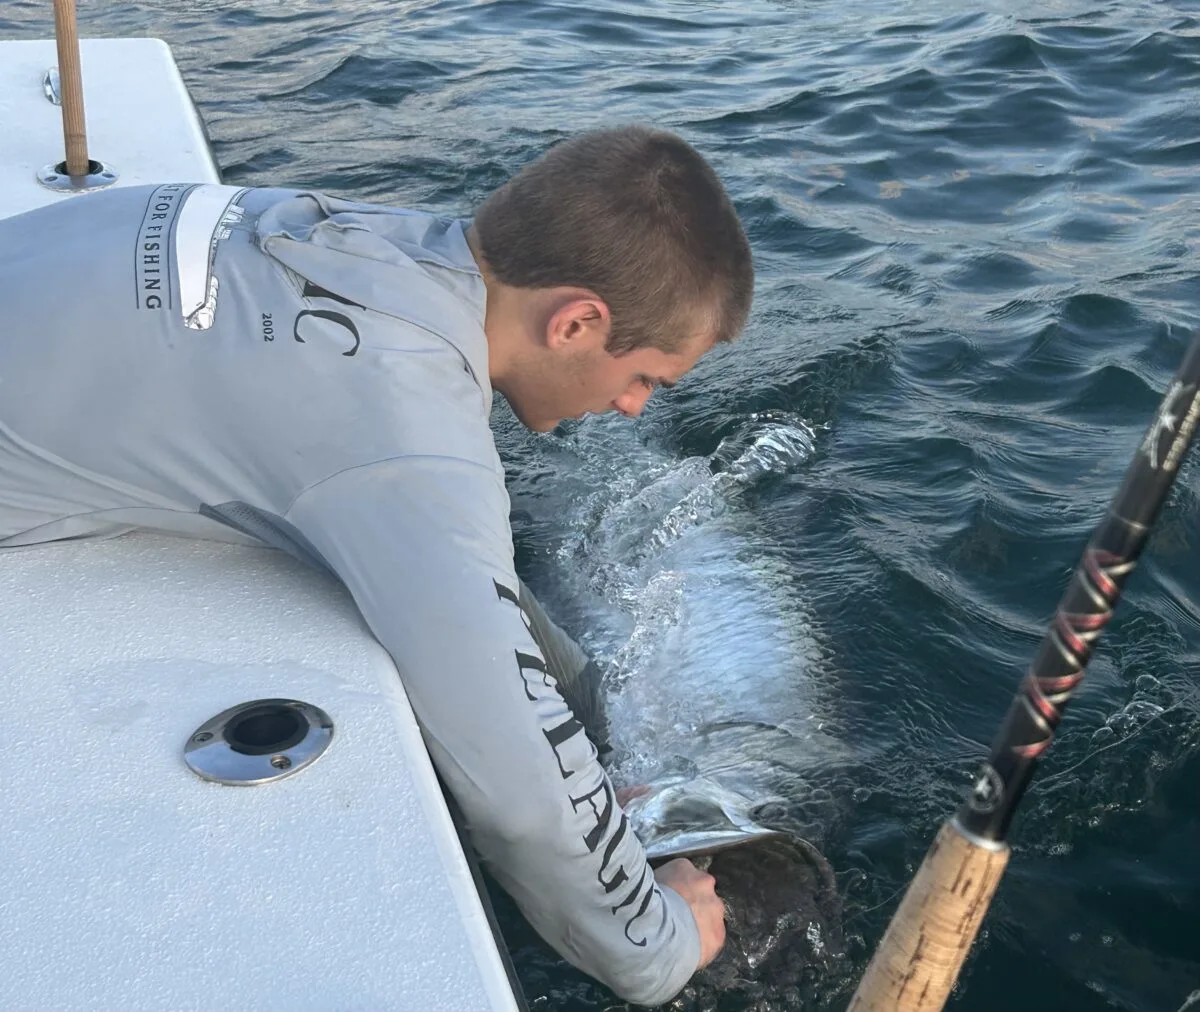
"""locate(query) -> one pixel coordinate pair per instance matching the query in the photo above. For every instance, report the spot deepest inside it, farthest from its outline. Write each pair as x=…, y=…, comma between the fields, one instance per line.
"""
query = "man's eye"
x=647, y=382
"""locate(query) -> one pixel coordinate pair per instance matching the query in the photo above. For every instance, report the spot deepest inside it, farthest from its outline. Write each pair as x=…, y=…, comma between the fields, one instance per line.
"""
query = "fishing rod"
x=77, y=173
x=70, y=76
x=924, y=947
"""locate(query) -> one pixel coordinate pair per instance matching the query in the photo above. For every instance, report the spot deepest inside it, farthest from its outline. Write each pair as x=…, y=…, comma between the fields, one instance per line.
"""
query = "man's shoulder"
x=405, y=265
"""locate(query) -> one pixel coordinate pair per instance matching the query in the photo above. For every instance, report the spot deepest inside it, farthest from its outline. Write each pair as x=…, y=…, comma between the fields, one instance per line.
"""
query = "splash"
x=678, y=593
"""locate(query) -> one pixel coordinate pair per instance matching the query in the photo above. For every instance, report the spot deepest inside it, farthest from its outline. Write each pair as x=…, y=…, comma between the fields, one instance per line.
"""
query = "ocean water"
x=816, y=569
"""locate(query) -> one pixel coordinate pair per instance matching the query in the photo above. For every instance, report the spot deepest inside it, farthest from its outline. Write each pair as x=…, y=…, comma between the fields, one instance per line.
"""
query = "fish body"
x=701, y=695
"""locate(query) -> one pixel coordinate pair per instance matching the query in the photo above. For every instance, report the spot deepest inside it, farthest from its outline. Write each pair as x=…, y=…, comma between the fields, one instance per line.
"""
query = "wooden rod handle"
x=70, y=83
x=923, y=950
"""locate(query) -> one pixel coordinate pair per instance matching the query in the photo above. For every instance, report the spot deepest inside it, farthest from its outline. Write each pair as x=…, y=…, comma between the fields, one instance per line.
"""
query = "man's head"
x=613, y=263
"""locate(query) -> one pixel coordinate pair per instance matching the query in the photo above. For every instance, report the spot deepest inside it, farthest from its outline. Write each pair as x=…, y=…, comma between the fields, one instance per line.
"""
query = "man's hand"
x=627, y=794
x=699, y=890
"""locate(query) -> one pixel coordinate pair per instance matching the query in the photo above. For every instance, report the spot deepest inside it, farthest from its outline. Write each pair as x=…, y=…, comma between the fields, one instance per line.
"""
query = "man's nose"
x=631, y=402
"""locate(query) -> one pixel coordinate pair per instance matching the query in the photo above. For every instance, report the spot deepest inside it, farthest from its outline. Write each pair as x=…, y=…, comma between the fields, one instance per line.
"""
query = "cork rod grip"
x=921, y=953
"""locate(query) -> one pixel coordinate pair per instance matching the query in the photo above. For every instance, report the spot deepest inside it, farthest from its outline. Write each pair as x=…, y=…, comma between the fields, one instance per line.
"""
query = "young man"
x=289, y=369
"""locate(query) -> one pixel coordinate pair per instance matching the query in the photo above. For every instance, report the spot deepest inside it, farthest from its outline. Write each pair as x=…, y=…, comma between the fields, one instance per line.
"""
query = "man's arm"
x=576, y=675
x=423, y=545
x=579, y=682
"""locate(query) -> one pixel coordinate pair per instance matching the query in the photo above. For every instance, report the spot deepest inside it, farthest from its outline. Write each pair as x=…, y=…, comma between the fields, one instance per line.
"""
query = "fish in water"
x=783, y=910
x=665, y=576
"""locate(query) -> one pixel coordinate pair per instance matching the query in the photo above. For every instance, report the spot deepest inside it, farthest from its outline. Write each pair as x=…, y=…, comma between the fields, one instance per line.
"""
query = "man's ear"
x=582, y=320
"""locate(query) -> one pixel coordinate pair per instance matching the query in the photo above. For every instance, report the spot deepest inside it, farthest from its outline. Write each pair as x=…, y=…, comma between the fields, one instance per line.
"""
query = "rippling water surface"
x=816, y=568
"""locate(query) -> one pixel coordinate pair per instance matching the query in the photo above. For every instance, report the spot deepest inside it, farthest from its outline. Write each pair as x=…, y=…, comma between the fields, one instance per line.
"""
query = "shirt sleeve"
x=423, y=545
x=576, y=676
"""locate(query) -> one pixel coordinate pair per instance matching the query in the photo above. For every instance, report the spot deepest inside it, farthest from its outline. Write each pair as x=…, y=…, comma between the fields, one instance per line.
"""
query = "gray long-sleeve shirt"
x=291, y=369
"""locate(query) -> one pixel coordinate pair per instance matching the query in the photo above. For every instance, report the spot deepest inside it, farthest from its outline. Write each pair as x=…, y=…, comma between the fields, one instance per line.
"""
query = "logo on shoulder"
x=208, y=214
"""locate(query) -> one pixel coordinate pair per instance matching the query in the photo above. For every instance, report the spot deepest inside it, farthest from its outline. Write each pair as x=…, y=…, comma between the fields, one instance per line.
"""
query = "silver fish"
x=654, y=564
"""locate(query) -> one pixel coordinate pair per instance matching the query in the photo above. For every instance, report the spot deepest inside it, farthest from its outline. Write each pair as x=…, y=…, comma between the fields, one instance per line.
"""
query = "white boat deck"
x=125, y=880
x=140, y=119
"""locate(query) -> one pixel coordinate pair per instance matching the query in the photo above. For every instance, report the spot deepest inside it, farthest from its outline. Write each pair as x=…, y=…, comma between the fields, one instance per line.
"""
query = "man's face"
x=575, y=381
